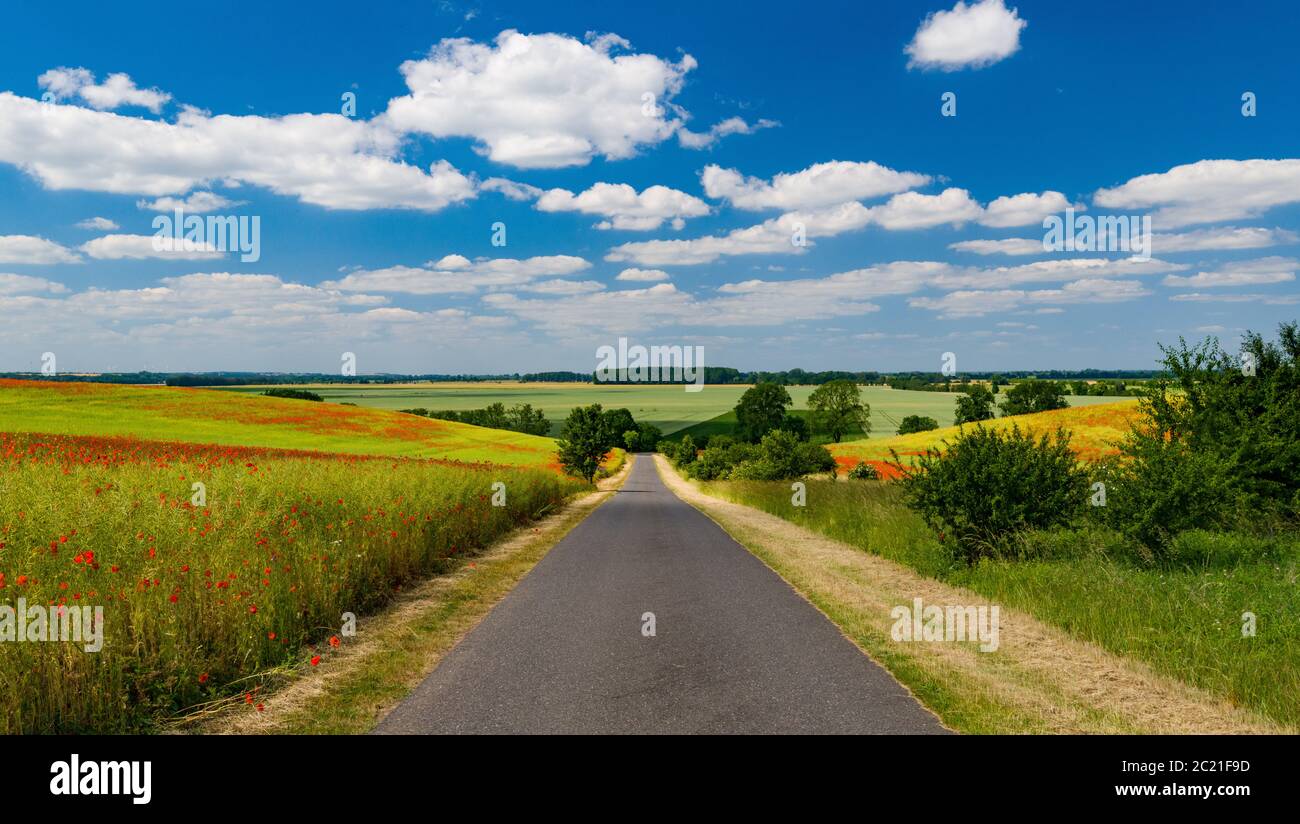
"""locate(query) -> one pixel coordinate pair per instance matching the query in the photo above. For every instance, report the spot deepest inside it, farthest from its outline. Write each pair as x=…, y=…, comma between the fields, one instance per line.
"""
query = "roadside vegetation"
x=1179, y=545
x=219, y=568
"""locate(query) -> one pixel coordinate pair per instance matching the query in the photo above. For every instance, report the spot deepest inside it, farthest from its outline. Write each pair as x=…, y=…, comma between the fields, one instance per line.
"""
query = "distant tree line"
x=521, y=417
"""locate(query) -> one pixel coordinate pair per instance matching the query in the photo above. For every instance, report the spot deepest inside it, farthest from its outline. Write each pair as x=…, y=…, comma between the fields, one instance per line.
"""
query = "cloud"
x=1227, y=297
x=456, y=274
x=1023, y=209
x=642, y=275
x=511, y=189
x=564, y=287
x=98, y=224
x=541, y=100
x=24, y=284
x=1208, y=191
x=196, y=202
x=324, y=159
x=1240, y=273
x=117, y=91
x=974, y=303
x=1016, y=246
x=967, y=36
x=34, y=250
x=905, y=211
x=141, y=247
x=819, y=185
x=732, y=125
x=1225, y=238
x=623, y=208
x=912, y=210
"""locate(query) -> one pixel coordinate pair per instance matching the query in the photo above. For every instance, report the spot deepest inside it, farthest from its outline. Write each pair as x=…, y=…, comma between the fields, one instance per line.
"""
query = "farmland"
x=205, y=416
x=671, y=408
x=1094, y=431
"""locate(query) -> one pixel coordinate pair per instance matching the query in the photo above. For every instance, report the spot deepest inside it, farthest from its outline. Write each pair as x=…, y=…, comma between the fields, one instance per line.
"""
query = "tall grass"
x=1184, y=618
x=200, y=601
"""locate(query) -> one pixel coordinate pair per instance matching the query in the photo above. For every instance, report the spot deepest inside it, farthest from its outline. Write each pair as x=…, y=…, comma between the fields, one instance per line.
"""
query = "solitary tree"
x=976, y=405
x=583, y=442
x=761, y=409
x=1033, y=396
x=837, y=407
x=916, y=423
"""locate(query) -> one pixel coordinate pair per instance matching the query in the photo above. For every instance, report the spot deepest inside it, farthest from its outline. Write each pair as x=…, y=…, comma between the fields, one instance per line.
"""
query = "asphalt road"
x=735, y=649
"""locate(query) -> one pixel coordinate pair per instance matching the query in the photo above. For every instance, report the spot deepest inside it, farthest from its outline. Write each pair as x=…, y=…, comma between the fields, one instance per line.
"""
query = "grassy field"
x=671, y=408
x=207, y=416
x=202, y=601
x=1184, y=620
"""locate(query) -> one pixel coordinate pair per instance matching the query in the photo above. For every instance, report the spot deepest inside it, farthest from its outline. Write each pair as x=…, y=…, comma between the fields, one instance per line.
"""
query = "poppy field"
x=214, y=417
x=219, y=567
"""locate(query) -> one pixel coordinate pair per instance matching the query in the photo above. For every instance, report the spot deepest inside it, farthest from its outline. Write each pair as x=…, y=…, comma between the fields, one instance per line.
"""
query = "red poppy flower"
x=203, y=679
x=334, y=641
x=315, y=660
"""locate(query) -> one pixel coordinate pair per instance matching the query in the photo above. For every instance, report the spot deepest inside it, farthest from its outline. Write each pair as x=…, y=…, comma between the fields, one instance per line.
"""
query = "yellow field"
x=1094, y=429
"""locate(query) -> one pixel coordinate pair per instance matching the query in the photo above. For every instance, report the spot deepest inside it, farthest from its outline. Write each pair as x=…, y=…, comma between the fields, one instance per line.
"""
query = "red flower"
x=203, y=679
x=334, y=641
x=252, y=609
x=171, y=598
x=315, y=660
x=271, y=635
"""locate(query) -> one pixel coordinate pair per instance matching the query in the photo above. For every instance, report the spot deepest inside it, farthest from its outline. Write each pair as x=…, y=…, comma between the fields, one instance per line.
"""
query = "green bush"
x=863, y=471
x=293, y=394
x=1158, y=488
x=916, y=423
x=989, y=484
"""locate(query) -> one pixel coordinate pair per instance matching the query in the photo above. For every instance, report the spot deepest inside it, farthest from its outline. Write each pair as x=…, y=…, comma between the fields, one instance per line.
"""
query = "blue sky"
x=376, y=228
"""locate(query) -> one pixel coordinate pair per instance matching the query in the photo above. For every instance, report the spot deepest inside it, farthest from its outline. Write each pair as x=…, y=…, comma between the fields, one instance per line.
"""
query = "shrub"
x=863, y=471
x=916, y=423
x=685, y=453
x=989, y=484
x=1158, y=488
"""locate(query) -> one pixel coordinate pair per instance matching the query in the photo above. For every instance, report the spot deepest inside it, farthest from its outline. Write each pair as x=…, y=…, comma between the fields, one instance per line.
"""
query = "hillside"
x=214, y=417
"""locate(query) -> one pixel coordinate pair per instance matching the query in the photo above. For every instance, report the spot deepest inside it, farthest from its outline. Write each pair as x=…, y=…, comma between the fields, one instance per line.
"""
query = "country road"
x=735, y=649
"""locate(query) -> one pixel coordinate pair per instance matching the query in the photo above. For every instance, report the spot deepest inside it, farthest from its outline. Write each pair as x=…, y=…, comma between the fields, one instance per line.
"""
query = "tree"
x=615, y=423
x=976, y=405
x=583, y=442
x=632, y=440
x=1033, y=396
x=761, y=409
x=916, y=423
x=522, y=417
x=837, y=407
x=649, y=436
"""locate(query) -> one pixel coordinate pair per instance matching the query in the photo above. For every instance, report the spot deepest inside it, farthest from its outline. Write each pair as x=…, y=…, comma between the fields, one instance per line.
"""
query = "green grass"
x=670, y=408
x=1184, y=620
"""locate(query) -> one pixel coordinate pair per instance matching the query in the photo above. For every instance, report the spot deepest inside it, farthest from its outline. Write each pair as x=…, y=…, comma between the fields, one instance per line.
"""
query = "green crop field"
x=670, y=408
